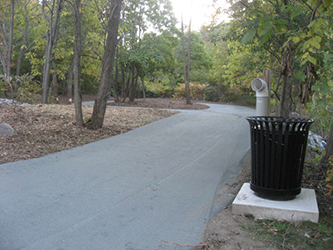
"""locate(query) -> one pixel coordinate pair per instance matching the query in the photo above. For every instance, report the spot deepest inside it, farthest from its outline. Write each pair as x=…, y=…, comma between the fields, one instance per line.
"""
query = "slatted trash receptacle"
x=278, y=147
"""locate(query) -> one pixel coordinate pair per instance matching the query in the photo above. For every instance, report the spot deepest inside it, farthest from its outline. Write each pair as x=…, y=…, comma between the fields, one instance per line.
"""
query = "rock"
x=316, y=142
x=6, y=129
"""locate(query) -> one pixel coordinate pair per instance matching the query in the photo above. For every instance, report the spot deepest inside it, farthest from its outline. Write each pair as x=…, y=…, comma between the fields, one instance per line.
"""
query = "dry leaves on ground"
x=45, y=129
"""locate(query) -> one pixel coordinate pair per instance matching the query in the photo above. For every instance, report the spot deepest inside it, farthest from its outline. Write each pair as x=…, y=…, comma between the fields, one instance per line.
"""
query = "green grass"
x=289, y=235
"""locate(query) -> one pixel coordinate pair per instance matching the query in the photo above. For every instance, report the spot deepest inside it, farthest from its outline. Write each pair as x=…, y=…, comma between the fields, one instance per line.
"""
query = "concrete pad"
x=303, y=208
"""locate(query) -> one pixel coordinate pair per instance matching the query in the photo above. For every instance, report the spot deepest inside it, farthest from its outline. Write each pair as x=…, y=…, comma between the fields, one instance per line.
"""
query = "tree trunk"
x=123, y=97
x=115, y=80
x=24, y=42
x=186, y=62
x=143, y=89
x=285, y=106
x=10, y=40
x=7, y=42
x=103, y=93
x=77, y=64
x=70, y=79
x=187, y=86
x=54, y=79
x=286, y=99
x=328, y=149
x=134, y=86
x=51, y=37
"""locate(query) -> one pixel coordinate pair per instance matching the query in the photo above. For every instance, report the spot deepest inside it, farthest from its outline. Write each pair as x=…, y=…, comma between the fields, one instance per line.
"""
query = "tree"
x=284, y=29
x=53, y=20
x=6, y=39
x=186, y=61
x=107, y=68
x=77, y=64
x=24, y=46
x=137, y=17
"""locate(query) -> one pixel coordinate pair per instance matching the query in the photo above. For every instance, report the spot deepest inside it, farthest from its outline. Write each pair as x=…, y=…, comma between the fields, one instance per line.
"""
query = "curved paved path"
x=127, y=192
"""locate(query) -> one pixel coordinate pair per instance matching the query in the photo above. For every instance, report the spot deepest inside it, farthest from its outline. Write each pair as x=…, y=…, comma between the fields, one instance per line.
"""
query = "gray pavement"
x=131, y=191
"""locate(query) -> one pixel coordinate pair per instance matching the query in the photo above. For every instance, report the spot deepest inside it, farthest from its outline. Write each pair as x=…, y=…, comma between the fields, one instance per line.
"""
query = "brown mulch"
x=45, y=129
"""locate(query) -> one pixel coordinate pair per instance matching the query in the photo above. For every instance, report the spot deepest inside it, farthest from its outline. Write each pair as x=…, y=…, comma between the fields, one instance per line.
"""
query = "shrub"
x=28, y=89
x=213, y=93
x=159, y=90
x=197, y=91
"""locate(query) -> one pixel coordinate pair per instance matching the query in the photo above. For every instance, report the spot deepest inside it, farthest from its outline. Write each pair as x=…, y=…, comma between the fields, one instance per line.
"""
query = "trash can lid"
x=277, y=119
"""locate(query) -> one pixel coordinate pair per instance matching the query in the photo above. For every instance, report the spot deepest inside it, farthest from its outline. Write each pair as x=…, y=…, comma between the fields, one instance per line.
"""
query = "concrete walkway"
x=126, y=192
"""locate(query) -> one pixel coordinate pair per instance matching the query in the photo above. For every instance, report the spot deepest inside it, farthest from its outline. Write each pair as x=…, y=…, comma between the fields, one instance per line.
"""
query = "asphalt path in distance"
x=127, y=192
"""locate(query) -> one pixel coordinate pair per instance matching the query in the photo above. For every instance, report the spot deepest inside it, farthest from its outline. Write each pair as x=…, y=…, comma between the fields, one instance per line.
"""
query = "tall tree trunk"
x=143, y=89
x=6, y=55
x=186, y=62
x=187, y=86
x=54, y=79
x=115, y=79
x=123, y=80
x=103, y=93
x=10, y=40
x=122, y=94
x=77, y=64
x=286, y=99
x=24, y=41
x=70, y=79
x=134, y=86
x=51, y=37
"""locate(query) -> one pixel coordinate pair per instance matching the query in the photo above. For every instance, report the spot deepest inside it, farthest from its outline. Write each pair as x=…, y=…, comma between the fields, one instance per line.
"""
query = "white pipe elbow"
x=260, y=86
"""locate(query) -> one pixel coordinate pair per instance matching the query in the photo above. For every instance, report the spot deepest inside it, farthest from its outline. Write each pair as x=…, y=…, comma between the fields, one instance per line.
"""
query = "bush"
x=321, y=112
x=28, y=89
x=197, y=91
x=213, y=94
x=159, y=90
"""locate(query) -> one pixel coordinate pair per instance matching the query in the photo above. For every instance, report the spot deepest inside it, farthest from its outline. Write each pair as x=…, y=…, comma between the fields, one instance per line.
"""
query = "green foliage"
x=214, y=93
x=28, y=89
x=295, y=34
x=200, y=75
x=322, y=113
x=197, y=91
x=200, y=59
x=158, y=89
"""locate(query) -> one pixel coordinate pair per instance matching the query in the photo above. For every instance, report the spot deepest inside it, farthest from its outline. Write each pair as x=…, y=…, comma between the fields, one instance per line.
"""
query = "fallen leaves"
x=46, y=129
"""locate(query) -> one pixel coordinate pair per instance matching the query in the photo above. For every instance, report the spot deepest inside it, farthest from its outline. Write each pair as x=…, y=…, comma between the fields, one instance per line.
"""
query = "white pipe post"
x=262, y=95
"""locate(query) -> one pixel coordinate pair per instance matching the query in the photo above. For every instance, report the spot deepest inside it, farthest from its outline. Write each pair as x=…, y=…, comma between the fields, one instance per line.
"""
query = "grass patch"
x=302, y=235
x=290, y=235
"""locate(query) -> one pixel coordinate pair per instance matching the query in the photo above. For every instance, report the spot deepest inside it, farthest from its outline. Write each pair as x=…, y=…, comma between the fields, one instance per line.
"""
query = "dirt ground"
x=226, y=230
x=45, y=129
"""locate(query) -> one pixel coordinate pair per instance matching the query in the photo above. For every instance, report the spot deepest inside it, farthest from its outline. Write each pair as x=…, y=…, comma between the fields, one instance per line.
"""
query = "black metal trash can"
x=278, y=148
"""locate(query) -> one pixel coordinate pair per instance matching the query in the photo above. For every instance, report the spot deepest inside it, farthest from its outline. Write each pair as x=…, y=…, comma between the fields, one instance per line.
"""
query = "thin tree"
x=186, y=60
x=104, y=89
x=23, y=47
x=51, y=36
x=6, y=55
x=77, y=64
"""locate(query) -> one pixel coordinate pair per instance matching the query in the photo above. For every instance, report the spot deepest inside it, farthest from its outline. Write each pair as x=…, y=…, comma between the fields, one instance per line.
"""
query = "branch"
x=307, y=5
x=4, y=32
x=273, y=53
x=315, y=10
